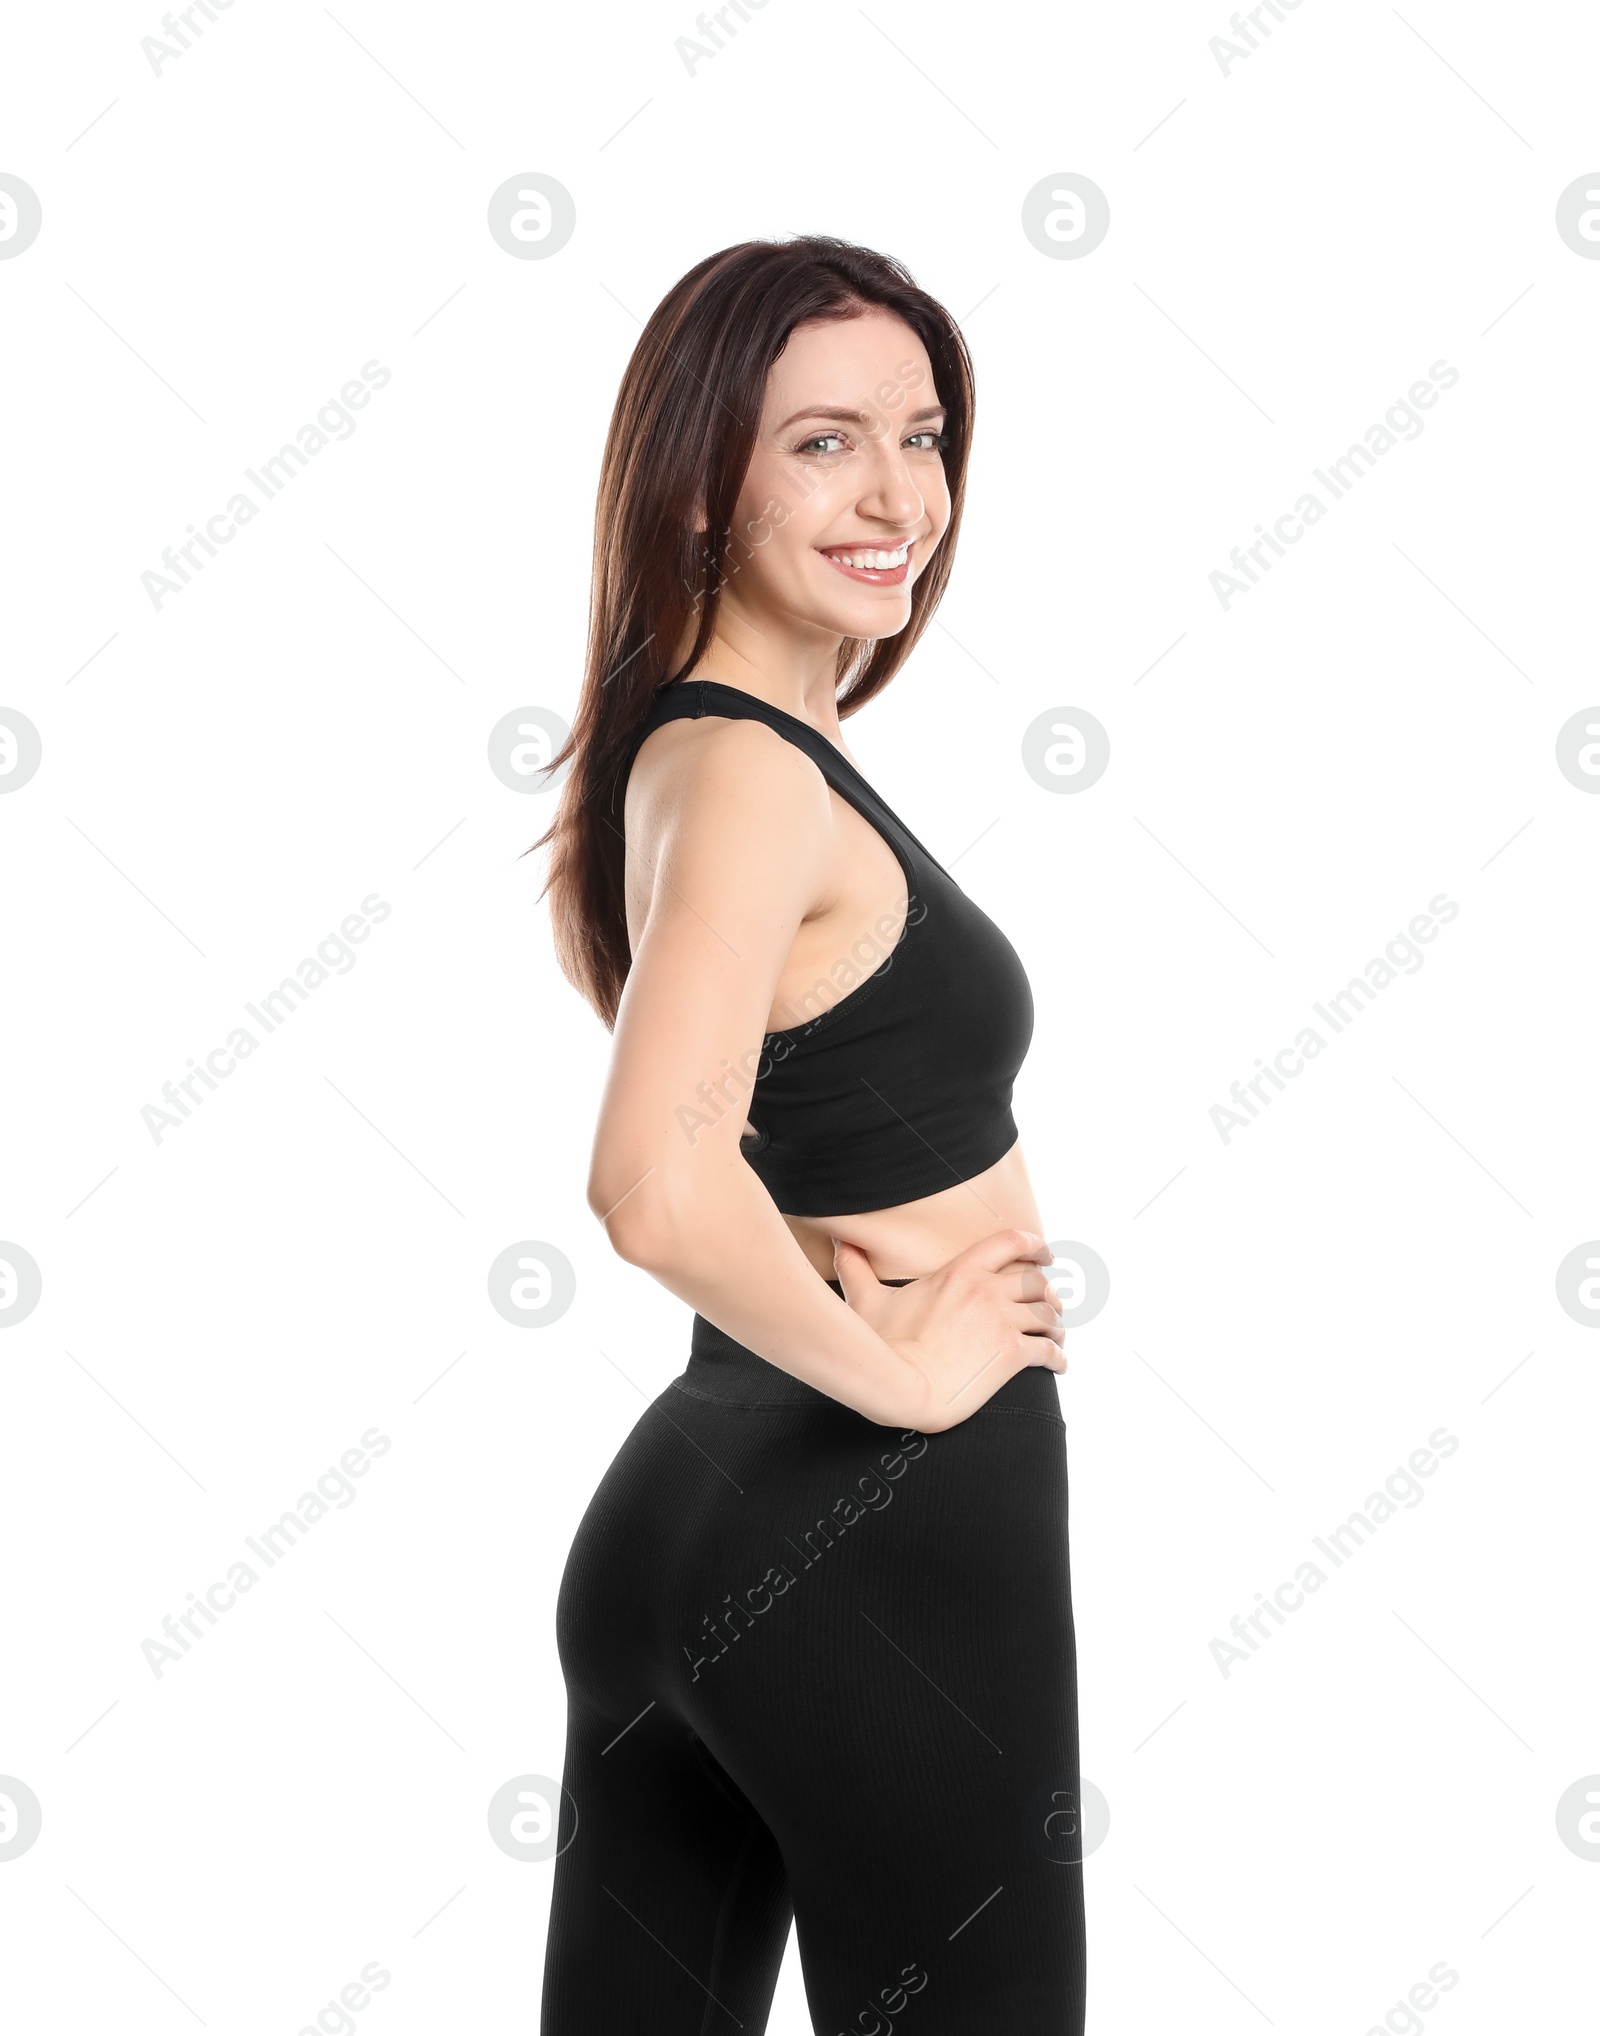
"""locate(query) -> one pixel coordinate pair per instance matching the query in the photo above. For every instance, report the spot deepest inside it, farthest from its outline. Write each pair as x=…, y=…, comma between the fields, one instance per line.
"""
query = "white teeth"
x=873, y=561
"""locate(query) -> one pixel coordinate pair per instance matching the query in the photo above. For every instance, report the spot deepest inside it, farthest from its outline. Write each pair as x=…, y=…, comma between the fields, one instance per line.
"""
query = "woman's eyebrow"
x=856, y=416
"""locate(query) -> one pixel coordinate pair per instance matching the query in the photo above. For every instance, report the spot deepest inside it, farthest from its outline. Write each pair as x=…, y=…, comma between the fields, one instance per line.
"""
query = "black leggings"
x=819, y=1669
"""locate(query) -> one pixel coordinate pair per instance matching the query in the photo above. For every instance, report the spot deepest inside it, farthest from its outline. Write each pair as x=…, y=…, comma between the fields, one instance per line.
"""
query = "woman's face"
x=845, y=498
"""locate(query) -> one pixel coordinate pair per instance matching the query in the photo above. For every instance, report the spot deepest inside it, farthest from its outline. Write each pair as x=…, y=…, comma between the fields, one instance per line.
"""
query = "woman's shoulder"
x=725, y=761
x=728, y=817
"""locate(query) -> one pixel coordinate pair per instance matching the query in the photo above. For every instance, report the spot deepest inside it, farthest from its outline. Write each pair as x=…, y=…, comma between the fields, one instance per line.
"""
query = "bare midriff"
x=916, y=1238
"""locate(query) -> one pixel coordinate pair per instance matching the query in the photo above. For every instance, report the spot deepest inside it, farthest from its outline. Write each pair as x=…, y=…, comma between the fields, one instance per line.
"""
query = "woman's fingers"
x=1045, y=1348
x=994, y=1253
x=1038, y=1319
x=1032, y=1285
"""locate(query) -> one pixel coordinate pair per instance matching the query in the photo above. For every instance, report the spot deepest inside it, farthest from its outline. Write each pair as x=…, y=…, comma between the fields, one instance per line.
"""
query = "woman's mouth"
x=876, y=565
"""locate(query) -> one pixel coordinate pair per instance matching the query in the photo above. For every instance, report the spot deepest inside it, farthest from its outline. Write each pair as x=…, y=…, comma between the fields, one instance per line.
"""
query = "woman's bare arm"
x=734, y=832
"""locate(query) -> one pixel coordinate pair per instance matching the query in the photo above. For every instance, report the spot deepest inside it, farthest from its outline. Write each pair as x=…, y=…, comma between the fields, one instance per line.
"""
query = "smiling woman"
x=807, y=1135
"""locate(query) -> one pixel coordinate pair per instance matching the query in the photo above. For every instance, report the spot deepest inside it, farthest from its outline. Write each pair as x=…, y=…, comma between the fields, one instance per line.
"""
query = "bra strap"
x=687, y=698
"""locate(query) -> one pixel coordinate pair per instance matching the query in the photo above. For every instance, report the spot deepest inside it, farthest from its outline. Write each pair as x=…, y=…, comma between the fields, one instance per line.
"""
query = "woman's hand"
x=962, y=1331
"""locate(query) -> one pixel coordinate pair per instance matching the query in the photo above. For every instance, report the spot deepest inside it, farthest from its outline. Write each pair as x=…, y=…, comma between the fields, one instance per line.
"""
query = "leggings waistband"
x=720, y=1368
x=723, y=1369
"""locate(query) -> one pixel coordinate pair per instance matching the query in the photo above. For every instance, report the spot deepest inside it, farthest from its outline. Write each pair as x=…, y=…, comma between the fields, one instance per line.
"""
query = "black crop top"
x=902, y=1085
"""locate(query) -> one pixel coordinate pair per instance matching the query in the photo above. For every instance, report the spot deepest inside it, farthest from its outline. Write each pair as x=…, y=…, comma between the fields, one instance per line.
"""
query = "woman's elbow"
x=638, y=1216
x=642, y=1238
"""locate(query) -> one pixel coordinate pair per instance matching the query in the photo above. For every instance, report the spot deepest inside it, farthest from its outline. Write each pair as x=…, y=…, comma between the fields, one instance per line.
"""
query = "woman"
x=815, y=1624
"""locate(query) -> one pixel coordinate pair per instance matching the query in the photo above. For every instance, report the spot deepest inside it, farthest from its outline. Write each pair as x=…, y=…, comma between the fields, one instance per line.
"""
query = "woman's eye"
x=921, y=441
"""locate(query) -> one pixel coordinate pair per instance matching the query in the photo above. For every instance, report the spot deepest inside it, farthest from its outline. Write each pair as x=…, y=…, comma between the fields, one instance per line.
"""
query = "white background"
x=1292, y=779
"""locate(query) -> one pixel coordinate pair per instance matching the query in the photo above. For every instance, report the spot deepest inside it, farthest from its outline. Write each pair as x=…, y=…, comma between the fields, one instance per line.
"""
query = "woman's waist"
x=720, y=1368
x=917, y=1238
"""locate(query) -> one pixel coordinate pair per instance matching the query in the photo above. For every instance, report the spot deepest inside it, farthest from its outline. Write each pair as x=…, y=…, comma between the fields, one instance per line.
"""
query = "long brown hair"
x=678, y=449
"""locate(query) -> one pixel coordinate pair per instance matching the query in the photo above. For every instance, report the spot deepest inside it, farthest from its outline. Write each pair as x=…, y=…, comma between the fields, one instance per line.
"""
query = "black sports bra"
x=902, y=1085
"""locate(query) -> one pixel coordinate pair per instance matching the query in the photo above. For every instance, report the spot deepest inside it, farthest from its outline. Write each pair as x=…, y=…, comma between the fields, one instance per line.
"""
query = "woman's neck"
x=807, y=691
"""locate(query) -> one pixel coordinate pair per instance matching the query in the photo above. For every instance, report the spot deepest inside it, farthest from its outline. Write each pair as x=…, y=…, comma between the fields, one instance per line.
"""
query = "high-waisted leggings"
x=819, y=1670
